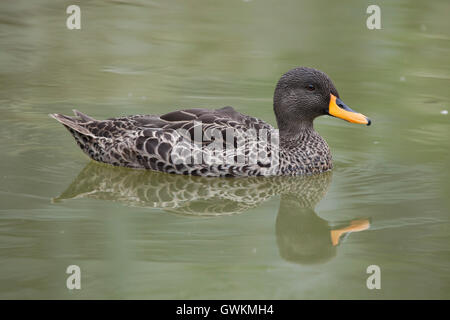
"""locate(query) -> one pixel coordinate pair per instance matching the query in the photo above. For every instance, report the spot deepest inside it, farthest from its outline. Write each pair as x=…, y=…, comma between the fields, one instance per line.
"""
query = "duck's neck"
x=293, y=127
x=291, y=123
x=297, y=130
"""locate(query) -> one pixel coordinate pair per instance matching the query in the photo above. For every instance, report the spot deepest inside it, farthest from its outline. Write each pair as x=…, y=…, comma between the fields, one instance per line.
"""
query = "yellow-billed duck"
x=196, y=141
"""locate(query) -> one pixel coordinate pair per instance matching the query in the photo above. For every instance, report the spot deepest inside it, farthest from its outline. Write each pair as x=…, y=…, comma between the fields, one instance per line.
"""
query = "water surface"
x=148, y=235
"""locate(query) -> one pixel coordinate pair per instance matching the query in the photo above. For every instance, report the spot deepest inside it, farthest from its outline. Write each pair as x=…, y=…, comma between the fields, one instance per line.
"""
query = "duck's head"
x=302, y=94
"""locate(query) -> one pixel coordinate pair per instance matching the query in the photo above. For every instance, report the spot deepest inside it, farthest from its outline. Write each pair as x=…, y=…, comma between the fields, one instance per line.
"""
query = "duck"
x=223, y=142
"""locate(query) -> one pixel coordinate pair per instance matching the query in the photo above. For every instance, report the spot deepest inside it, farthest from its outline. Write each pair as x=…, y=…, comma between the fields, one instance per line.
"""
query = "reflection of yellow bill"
x=355, y=226
x=338, y=109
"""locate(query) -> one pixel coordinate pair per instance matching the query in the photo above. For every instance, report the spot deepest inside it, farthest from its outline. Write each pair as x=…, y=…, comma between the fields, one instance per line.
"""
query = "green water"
x=149, y=235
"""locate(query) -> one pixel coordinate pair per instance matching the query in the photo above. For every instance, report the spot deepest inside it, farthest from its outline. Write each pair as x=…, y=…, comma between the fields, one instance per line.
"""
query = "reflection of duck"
x=163, y=143
x=302, y=236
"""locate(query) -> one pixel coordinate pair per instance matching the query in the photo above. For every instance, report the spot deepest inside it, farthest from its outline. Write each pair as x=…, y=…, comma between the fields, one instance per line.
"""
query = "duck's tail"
x=74, y=123
x=78, y=126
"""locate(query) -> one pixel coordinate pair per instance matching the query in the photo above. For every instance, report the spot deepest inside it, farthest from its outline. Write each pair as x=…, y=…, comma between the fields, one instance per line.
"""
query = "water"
x=149, y=235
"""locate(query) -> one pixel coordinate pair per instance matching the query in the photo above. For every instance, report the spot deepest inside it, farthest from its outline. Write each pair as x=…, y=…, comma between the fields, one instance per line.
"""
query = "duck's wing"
x=182, y=137
x=222, y=118
x=226, y=116
x=148, y=141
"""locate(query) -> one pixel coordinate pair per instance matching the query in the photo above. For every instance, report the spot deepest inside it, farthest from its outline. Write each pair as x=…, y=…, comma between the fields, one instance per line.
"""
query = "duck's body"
x=180, y=142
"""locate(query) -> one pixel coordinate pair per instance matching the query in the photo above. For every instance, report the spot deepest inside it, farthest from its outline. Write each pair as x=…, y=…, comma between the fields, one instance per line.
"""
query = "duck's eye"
x=310, y=87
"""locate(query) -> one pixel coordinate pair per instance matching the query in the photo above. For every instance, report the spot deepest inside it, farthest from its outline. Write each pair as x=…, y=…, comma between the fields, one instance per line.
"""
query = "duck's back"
x=192, y=141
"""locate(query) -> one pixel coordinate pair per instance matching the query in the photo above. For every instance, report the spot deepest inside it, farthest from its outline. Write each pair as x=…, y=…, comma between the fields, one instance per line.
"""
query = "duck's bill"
x=339, y=109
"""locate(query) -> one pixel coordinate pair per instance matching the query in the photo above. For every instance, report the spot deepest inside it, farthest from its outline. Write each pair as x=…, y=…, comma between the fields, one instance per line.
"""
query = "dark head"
x=302, y=94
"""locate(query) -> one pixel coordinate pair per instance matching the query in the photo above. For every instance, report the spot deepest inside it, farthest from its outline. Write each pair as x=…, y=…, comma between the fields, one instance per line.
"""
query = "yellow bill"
x=339, y=109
